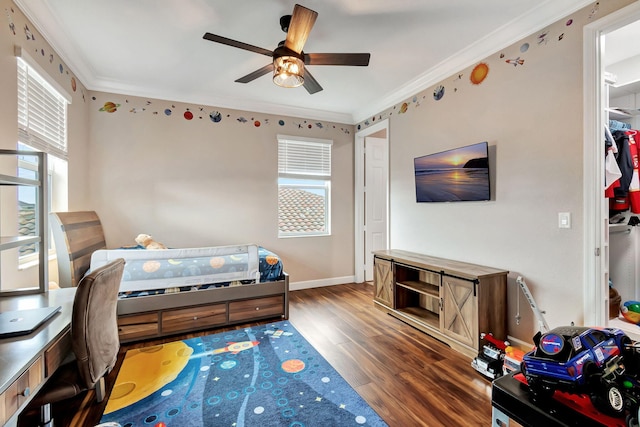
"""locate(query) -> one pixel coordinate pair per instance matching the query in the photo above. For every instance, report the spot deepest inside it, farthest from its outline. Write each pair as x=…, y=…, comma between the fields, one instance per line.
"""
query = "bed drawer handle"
x=257, y=308
x=195, y=317
x=26, y=392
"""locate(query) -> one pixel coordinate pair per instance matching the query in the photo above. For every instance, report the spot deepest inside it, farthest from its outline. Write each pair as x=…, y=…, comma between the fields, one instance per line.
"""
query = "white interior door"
x=376, y=185
x=371, y=196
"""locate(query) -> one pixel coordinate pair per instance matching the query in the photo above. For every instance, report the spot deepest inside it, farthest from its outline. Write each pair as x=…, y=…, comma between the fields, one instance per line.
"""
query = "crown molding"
x=58, y=38
x=545, y=13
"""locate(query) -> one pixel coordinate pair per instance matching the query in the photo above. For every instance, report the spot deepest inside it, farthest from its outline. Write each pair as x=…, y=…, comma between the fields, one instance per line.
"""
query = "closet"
x=622, y=76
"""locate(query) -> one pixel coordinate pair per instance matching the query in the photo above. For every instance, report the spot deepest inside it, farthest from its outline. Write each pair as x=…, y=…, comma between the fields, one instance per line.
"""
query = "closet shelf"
x=619, y=228
x=622, y=113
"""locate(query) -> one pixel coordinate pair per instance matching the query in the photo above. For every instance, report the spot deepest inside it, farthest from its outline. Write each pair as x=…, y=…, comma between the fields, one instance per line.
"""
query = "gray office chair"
x=95, y=341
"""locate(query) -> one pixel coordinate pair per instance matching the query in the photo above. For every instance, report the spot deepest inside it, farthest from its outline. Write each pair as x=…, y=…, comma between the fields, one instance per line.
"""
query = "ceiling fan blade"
x=356, y=59
x=235, y=43
x=257, y=73
x=301, y=24
x=310, y=84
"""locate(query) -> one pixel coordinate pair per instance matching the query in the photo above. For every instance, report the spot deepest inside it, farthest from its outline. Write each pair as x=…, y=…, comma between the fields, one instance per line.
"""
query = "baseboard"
x=523, y=345
x=297, y=286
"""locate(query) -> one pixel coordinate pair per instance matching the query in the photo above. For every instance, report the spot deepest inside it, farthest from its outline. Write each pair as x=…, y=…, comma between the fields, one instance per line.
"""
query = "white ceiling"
x=154, y=48
x=622, y=58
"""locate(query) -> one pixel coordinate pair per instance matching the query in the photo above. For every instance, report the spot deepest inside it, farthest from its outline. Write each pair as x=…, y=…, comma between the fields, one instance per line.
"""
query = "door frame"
x=596, y=235
x=359, y=208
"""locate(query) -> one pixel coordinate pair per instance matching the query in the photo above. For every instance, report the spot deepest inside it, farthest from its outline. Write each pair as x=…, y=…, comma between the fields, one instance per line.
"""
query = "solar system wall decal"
x=209, y=114
x=20, y=29
x=480, y=73
x=514, y=56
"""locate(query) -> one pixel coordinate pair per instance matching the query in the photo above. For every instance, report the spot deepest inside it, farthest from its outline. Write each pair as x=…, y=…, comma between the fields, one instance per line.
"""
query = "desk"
x=27, y=361
x=510, y=400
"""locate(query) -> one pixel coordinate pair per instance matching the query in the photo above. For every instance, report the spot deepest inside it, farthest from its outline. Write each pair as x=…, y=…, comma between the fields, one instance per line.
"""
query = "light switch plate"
x=564, y=219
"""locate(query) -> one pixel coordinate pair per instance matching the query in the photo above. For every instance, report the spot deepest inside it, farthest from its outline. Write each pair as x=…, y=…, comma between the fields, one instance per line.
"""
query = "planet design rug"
x=267, y=375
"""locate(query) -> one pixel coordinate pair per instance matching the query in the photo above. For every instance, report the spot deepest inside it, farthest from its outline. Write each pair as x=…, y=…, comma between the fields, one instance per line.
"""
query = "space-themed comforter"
x=156, y=272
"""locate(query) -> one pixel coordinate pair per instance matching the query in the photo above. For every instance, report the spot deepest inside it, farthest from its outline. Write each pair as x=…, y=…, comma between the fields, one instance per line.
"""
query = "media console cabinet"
x=450, y=300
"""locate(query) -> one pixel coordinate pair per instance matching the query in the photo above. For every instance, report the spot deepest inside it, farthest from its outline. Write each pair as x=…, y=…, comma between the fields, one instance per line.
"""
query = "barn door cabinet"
x=450, y=300
x=383, y=281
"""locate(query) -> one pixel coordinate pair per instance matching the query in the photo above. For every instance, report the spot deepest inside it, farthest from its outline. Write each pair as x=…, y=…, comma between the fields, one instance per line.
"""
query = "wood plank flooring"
x=408, y=378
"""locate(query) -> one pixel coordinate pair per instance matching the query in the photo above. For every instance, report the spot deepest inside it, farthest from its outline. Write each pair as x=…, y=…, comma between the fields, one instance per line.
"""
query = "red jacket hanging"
x=634, y=186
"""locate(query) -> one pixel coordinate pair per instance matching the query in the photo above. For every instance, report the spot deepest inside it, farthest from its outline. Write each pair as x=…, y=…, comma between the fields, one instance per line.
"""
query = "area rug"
x=267, y=375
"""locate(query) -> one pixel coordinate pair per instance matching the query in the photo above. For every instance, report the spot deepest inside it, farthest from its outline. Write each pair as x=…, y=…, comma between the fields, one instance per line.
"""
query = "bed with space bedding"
x=172, y=291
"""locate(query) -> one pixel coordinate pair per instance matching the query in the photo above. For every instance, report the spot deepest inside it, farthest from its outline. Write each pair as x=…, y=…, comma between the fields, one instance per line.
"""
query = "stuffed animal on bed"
x=148, y=242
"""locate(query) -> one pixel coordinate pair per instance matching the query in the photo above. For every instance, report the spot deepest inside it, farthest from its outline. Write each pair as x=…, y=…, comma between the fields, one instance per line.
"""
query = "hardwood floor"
x=408, y=378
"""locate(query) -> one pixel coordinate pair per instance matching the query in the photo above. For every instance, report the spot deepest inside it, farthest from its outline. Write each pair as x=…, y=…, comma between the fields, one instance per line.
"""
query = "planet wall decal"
x=479, y=73
x=110, y=107
x=215, y=116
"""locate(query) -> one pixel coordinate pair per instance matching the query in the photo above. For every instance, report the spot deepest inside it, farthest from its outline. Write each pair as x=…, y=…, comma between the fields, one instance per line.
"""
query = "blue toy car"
x=573, y=359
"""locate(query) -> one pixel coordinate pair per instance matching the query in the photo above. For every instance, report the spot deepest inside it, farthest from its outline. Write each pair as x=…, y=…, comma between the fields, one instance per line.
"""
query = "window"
x=42, y=125
x=304, y=186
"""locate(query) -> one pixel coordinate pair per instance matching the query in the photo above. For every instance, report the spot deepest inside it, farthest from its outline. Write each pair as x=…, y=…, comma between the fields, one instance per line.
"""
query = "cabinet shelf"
x=421, y=287
x=422, y=315
x=15, y=180
x=8, y=242
x=40, y=239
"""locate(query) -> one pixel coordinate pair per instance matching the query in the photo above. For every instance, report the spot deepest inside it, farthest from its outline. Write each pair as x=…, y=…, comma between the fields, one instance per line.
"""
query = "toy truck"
x=578, y=359
x=490, y=360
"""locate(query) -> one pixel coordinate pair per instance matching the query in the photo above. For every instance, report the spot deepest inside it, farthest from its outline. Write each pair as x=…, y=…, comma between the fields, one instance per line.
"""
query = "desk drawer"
x=188, y=319
x=256, y=308
x=138, y=326
x=21, y=389
x=56, y=353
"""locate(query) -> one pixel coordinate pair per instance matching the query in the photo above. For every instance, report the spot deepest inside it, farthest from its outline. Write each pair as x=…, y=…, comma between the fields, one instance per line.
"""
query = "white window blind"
x=300, y=158
x=42, y=113
x=304, y=186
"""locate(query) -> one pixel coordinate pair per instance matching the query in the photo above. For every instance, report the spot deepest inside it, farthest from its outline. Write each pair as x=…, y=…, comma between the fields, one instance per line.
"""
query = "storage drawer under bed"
x=194, y=318
x=138, y=326
x=164, y=322
x=256, y=308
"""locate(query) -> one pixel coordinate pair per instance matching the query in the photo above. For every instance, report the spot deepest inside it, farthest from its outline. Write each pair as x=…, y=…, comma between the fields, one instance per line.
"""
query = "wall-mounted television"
x=457, y=175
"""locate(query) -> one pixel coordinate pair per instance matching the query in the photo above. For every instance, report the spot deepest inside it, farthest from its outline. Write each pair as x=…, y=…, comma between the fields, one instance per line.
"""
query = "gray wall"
x=199, y=182
x=531, y=115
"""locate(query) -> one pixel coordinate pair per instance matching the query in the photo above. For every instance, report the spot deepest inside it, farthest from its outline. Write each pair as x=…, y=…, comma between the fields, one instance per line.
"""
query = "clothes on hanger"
x=626, y=195
x=618, y=125
x=612, y=172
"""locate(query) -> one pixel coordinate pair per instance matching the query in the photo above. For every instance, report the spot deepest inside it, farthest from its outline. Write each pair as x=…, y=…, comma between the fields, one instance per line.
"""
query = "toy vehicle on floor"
x=512, y=360
x=490, y=360
x=498, y=357
x=576, y=359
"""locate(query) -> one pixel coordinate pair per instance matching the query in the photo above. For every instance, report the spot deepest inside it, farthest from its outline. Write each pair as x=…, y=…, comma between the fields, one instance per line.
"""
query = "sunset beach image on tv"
x=457, y=175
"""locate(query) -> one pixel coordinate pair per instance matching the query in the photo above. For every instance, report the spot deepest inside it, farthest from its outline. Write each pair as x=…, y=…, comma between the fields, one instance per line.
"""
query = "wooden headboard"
x=79, y=234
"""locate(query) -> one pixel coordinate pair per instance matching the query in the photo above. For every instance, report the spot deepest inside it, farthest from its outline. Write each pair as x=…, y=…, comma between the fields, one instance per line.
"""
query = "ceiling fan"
x=289, y=61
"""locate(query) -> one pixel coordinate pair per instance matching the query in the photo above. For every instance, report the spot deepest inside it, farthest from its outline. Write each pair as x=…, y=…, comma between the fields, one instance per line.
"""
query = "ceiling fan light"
x=288, y=71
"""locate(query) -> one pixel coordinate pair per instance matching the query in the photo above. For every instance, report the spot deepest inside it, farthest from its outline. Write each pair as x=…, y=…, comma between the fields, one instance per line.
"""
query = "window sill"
x=294, y=236
x=33, y=263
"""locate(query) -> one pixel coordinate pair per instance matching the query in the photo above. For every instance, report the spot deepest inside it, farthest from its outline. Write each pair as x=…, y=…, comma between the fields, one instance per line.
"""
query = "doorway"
x=596, y=209
x=371, y=197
